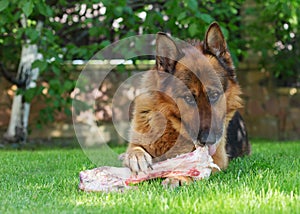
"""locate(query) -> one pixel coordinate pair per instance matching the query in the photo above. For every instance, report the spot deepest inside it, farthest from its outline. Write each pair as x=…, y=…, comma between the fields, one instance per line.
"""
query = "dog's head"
x=200, y=79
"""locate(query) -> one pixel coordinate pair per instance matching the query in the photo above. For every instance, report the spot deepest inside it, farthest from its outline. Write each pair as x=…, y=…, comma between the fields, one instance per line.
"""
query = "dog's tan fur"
x=161, y=110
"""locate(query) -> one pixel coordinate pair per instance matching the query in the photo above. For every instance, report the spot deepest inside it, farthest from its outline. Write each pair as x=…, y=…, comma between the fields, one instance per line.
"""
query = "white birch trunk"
x=18, y=124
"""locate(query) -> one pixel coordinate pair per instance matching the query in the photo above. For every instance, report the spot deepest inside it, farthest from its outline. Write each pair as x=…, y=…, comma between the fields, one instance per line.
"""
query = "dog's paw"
x=138, y=160
x=176, y=181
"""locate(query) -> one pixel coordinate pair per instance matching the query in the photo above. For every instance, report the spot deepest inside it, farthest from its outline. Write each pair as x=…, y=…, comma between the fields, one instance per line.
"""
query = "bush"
x=78, y=30
x=274, y=33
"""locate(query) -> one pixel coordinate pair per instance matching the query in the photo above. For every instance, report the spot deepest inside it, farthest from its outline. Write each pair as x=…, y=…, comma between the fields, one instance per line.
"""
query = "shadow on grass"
x=42, y=144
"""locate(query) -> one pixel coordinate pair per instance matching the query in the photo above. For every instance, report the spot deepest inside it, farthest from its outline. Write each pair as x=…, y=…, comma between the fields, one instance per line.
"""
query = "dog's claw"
x=138, y=160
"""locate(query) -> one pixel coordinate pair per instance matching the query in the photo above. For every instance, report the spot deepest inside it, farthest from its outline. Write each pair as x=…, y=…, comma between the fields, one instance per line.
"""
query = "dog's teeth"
x=197, y=142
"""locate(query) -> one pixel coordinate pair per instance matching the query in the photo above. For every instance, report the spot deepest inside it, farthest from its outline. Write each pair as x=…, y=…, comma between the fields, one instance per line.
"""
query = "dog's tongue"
x=212, y=149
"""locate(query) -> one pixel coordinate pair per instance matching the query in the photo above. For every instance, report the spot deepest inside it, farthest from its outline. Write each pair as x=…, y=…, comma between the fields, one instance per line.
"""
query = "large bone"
x=197, y=164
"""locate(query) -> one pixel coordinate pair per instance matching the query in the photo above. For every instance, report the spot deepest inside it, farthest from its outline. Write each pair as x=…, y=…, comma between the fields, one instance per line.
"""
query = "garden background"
x=45, y=44
x=263, y=37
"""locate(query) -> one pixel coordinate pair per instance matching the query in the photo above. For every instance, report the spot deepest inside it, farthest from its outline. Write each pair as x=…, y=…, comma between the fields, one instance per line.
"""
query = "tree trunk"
x=18, y=124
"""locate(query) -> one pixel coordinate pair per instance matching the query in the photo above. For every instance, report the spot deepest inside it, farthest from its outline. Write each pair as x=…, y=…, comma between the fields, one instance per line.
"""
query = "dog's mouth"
x=212, y=148
x=210, y=140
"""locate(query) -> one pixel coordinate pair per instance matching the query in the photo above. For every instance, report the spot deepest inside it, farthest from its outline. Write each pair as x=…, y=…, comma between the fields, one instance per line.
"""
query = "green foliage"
x=78, y=30
x=274, y=34
x=3, y=5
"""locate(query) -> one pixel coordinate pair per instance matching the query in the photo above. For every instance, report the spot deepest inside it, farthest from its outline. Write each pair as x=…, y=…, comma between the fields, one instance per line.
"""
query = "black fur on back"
x=237, y=138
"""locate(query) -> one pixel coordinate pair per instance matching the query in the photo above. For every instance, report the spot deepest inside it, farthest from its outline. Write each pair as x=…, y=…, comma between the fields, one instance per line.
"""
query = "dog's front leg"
x=137, y=159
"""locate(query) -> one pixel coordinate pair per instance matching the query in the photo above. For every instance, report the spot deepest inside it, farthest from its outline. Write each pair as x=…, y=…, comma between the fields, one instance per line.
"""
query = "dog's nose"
x=206, y=137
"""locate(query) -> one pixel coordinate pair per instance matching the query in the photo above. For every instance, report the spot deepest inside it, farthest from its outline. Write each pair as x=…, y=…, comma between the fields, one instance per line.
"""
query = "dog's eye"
x=213, y=96
x=189, y=100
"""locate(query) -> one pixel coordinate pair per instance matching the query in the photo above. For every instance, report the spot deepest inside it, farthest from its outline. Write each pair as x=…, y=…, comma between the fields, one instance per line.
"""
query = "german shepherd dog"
x=189, y=99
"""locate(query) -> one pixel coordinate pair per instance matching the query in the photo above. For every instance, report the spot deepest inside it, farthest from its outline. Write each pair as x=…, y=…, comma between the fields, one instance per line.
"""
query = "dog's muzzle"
x=207, y=137
x=212, y=148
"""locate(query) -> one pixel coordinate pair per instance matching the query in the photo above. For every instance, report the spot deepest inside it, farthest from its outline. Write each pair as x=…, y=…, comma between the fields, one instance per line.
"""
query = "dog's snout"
x=206, y=137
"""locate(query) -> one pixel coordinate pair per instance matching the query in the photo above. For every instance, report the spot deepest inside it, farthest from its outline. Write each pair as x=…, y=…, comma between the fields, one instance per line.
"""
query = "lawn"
x=46, y=181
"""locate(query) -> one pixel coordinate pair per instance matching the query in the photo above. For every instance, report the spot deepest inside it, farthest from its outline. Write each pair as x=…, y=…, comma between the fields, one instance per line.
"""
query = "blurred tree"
x=77, y=30
x=273, y=32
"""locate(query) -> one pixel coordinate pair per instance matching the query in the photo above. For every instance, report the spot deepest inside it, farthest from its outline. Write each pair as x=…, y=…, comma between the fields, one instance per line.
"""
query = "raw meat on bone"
x=197, y=164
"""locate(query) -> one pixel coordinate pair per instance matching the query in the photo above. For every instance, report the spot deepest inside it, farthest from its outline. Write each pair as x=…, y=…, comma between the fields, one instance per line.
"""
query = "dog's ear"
x=167, y=53
x=214, y=42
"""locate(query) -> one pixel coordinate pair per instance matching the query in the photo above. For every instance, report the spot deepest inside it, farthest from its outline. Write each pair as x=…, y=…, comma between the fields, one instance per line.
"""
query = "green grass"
x=46, y=181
